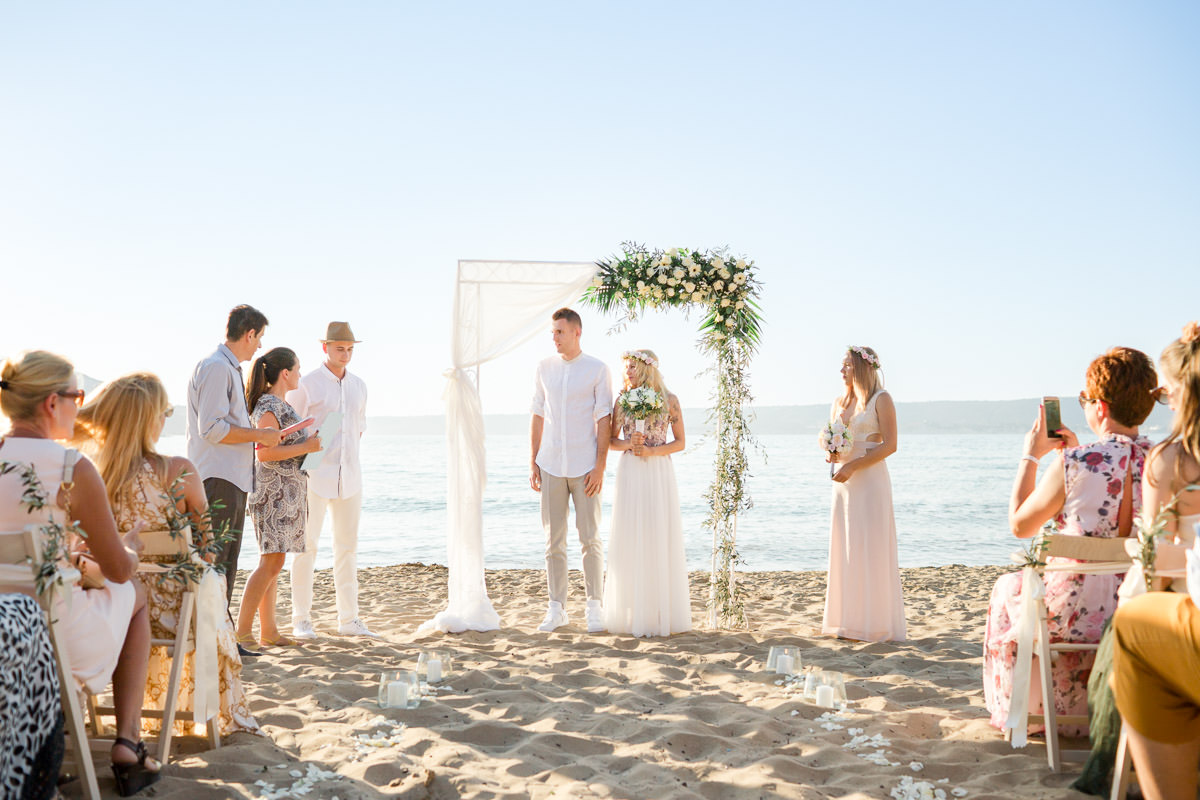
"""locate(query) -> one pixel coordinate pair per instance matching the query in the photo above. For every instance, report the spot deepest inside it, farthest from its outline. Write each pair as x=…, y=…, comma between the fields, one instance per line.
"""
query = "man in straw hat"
x=335, y=484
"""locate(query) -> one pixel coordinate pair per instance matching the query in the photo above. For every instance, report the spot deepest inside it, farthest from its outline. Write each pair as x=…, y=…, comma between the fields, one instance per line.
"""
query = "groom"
x=569, y=435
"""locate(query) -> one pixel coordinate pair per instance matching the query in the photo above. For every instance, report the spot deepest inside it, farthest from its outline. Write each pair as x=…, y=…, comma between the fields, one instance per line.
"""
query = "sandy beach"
x=573, y=715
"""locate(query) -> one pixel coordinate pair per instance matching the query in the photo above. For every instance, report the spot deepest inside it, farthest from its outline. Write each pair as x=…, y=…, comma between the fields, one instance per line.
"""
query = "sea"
x=950, y=494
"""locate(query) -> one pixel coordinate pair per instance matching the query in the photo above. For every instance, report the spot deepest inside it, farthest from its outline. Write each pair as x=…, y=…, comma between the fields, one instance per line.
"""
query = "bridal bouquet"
x=836, y=439
x=639, y=404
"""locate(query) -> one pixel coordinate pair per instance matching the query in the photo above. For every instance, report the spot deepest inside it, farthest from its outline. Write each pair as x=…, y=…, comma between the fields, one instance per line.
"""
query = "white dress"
x=862, y=597
x=95, y=620
x=646, y=584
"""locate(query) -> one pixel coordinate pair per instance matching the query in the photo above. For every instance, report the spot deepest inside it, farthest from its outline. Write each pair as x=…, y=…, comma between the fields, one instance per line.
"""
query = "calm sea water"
x=950, y=495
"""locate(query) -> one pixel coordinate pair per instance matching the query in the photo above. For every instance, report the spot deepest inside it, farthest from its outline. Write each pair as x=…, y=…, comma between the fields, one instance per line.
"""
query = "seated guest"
x=108, y=628
x=124, y=422
x=31, y=718
x=1156, y=680
x=1089, y=490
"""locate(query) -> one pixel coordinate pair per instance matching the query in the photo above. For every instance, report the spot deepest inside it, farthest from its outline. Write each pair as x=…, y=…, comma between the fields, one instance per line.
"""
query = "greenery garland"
x=726, y=292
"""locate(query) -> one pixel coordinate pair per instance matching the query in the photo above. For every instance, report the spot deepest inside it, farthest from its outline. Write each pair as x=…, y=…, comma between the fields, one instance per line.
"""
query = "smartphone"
x=1053, y=416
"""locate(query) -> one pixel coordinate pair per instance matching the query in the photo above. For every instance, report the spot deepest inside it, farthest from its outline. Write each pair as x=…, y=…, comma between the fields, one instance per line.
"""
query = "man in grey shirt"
x=220, y=438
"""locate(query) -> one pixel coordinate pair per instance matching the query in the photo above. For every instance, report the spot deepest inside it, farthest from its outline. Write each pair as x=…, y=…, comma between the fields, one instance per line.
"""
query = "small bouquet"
x=639, y=404
x=836, y=439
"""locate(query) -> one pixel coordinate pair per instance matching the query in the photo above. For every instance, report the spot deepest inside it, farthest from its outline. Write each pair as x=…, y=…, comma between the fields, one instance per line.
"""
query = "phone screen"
x=1053, y=416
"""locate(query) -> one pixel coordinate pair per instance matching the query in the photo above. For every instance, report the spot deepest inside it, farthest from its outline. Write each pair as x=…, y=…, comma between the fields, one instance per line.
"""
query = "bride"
x=646, y=585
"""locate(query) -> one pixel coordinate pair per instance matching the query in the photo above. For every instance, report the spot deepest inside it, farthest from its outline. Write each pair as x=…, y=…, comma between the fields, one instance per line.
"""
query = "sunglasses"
x=1084, y=400
x=1161, y=395
x=76, y=395
x=168, y=411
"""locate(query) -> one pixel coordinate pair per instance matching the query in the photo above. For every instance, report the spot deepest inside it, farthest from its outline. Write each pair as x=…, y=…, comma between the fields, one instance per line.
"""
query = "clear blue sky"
x=987, y=193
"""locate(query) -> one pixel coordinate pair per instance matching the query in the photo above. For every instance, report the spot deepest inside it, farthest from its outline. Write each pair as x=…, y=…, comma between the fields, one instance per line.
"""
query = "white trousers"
x=345, y=512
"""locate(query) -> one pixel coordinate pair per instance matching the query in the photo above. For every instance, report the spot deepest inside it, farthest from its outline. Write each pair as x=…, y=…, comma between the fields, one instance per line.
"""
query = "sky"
x=989, y=194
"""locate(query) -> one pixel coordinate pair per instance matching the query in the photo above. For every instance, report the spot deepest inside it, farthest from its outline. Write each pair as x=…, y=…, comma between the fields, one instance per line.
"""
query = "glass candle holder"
x=434, y=666
x=830, y=690
x=812, y=679
x=399, y=689
x=787, y=660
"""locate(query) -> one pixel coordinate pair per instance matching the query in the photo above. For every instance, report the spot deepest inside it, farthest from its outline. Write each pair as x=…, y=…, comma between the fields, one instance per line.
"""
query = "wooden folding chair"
x=1093, y=556
x=162, y=543
x=25, y=548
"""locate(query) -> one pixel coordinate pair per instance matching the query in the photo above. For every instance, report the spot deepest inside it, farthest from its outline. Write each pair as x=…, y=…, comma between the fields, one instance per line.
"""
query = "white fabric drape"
x=498, y=305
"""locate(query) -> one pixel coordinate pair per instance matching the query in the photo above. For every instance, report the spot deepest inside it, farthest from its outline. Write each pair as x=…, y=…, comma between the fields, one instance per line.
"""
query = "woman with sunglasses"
x=1087, y=490
x=108, y=628
x=148, y=490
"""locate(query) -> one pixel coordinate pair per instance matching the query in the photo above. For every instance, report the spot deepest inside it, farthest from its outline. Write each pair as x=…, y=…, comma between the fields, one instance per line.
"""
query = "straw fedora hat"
x=339, y=332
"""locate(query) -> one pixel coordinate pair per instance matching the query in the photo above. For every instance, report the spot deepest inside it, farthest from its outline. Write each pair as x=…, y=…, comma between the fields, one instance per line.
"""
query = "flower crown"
x=865, y=355
x=644, y=357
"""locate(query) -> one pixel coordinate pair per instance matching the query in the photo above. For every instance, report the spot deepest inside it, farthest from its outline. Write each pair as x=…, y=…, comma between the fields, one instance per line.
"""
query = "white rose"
x=672, y=282
x=739, y=305
x=662, y=278
x=658, y=293
x=719, y=285
x=625, y=282
x=716, y=262
x=697, y=296
x=740, y=263
x=688, y=262
x=641, y=285
x=665, y=261
x=619, y=296
x=670, y=292
x=717, y=318
x=597, y=282
x=725, y=274
x=689, y=287
x=678, y=274
x=674, y=251
x=729, y=323
x=724, y=302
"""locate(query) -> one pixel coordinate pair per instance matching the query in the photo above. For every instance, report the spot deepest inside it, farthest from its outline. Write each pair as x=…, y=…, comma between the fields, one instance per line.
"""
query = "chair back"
x=1087, y=548
x=163, y=543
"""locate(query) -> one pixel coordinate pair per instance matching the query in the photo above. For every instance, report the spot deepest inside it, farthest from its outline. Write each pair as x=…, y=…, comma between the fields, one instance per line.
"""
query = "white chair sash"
x=210, y=609
x=1193, y=568
x=1026, y=631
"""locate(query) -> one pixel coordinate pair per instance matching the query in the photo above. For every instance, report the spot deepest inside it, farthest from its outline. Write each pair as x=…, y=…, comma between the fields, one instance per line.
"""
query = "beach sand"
x=578, y=715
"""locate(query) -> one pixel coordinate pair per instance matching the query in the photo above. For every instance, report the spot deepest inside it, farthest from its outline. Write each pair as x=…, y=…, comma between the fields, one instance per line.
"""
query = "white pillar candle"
x=433, y=670
x=825, y=696
x=397, y=694
x=784, y=664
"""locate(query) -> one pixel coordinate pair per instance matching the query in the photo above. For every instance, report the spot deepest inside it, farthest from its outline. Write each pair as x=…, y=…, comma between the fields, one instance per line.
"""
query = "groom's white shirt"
x=571, y=397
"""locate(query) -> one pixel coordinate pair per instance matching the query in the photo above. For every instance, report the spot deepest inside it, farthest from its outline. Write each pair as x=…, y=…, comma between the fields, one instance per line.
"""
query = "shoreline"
x=577, y=715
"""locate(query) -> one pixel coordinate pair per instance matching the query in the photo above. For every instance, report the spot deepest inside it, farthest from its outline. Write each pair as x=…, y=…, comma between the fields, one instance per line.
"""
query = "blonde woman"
x=863, y=600
x=646, y=584
x=108, y=627
x=123, y=423
x=1156, y=654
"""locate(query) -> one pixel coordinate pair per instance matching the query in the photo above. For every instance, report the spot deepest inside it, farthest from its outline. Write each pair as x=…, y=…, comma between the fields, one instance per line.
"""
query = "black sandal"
x=132, y=778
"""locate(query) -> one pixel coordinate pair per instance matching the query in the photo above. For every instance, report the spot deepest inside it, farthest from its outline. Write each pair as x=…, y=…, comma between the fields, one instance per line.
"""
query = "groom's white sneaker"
x=556, y=617
x=595, y=617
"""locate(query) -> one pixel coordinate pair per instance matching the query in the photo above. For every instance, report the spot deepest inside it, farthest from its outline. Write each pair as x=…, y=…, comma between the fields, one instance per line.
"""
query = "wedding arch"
x=499, y=305
x=725, y=291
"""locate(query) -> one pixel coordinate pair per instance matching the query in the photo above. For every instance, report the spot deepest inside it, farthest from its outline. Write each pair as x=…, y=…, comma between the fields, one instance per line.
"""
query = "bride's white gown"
x=646, y=584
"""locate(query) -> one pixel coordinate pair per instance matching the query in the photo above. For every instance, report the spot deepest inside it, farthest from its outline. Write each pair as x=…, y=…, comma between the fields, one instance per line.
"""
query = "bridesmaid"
x=279, y=503
x=863, y=599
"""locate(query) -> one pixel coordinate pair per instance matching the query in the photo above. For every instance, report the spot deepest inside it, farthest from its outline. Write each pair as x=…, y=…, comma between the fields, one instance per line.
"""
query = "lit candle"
x=433, y=670
x=397, y=694
x=784, y=664
x=825, y=696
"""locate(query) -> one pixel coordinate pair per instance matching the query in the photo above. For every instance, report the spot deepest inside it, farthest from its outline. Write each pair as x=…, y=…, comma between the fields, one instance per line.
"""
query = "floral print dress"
x=149, y=502
x=1077, y=605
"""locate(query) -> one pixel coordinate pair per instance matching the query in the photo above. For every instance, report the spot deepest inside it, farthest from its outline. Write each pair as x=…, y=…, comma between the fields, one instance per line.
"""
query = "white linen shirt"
x=571, y=397
x=339, y=474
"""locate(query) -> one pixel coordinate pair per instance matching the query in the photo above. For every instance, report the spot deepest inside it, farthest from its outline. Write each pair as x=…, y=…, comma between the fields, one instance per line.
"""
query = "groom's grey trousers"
x=555, y=493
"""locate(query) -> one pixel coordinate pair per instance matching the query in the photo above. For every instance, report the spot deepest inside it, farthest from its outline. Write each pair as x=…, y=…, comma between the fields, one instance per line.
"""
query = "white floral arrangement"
x=835, y=438
x=640, y=403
